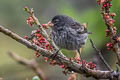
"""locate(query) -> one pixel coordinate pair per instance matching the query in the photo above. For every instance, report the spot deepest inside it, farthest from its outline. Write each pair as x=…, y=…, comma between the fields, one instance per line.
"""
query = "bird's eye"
x=57, y=20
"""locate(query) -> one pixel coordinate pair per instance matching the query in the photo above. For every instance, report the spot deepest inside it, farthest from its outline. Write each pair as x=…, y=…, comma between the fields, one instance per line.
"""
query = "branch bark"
x=30, y=63
x=111, y=31
x=61, y=59
x=101, y=57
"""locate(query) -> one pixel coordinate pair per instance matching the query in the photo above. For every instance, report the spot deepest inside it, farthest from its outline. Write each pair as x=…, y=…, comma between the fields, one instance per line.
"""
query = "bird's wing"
x=77, y=32
x=76, y=28
x=75, y=25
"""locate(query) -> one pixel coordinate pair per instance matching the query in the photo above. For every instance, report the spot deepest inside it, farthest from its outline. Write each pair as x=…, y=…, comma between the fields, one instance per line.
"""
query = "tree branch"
x=30, y=63
x=101, y=57
x=1, y=78
x=61, y=59
x=111, y=31
x=44, y=33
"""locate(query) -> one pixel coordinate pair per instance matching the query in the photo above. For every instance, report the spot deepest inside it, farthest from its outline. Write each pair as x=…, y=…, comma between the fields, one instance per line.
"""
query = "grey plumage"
x=68, y=33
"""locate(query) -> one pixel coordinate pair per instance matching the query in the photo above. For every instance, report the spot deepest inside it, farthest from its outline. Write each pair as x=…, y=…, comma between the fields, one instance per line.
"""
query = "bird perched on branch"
x=68, y=33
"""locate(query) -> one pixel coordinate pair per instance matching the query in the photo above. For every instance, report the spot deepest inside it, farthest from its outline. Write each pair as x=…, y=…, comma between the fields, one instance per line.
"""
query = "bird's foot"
x=53, y=56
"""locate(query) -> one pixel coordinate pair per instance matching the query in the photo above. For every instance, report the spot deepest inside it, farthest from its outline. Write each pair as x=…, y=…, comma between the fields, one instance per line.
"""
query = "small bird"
x=68, y=33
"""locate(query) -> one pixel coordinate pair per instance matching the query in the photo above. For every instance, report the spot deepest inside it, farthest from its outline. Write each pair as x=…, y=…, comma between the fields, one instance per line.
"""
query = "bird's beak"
x=50, y=24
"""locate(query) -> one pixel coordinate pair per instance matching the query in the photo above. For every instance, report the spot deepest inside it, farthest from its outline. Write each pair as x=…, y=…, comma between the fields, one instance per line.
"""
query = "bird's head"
x=60, y=20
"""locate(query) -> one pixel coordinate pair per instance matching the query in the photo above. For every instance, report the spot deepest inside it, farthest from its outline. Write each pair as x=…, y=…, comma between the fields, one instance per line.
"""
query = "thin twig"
x=30, y=63
x=100, y=54
x=44, y=33
x=110, y=24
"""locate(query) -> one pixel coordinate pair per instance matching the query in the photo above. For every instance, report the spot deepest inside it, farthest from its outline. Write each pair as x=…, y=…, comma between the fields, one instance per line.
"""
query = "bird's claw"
x=53, y=56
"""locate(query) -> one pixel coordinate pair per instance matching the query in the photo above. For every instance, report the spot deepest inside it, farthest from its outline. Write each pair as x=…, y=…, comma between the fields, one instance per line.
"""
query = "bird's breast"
x=68, y=41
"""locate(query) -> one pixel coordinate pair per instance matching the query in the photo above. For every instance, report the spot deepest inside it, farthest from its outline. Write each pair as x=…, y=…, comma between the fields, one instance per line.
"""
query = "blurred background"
x=13, y=17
